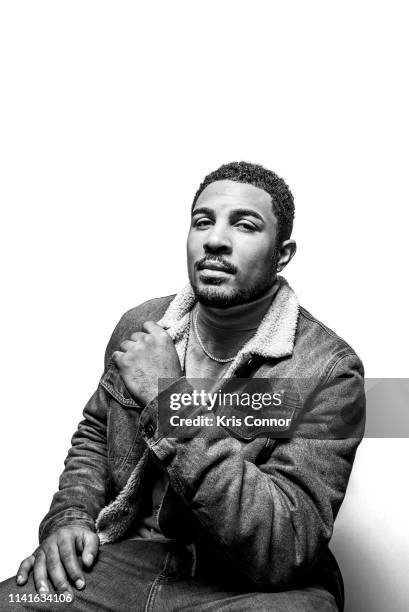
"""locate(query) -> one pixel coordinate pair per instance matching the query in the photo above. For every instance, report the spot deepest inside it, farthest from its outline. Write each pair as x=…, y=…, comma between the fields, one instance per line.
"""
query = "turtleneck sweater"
x=223, y=332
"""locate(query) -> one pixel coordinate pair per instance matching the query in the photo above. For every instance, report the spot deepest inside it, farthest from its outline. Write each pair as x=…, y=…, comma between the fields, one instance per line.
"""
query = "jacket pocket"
x=124, y=444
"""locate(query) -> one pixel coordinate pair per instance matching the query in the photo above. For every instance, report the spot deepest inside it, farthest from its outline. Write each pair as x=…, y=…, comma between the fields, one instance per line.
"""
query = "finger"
x=40, y=573
x=137, y=336
x=127, y=345
x=117, y=356
x=69, y=559
x=153, y=328
x=90, y=548
x=24, y=569
x=56, y=571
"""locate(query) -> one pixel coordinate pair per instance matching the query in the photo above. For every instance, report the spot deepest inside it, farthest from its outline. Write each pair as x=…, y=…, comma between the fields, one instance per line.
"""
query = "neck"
x=243, y=317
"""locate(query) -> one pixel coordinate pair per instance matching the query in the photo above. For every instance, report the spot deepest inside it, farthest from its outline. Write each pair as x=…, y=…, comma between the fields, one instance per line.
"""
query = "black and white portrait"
x=204, y=372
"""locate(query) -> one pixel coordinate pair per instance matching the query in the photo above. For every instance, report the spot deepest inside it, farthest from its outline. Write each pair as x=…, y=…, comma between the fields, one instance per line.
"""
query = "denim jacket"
x=263, y=507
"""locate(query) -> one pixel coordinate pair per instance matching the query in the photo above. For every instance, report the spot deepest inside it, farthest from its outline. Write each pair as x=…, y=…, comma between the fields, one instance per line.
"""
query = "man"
x=219, y=517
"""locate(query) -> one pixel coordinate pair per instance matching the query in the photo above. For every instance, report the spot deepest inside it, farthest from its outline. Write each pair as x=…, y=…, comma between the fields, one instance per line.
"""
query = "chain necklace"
x=195, y=328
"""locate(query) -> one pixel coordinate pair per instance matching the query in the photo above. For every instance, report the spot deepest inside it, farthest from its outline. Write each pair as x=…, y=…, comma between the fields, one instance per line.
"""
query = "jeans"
x=143, y=575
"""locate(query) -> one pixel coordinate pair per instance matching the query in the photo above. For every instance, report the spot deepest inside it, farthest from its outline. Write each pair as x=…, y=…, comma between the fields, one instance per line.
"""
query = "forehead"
x=235, y=194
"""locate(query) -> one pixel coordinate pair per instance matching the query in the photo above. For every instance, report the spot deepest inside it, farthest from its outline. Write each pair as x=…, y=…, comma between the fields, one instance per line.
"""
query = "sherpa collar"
x=273, y=338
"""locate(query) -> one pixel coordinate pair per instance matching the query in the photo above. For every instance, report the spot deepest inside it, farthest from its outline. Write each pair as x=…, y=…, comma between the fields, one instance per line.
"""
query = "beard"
x=213, y=295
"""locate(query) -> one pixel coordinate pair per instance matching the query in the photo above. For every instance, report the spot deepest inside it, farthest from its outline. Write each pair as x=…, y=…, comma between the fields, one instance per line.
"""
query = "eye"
x=202, y=222
x=246, y=225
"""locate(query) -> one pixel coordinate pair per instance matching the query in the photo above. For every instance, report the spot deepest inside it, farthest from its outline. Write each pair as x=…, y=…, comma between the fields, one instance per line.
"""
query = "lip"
x=214, y=267
x=206, y=273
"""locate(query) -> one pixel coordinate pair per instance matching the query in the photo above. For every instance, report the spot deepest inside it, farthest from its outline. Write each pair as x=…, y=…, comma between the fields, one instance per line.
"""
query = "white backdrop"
x=111, y=114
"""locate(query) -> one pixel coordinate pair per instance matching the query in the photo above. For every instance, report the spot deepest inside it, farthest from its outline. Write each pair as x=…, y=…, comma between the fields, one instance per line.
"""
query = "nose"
x=217, y=240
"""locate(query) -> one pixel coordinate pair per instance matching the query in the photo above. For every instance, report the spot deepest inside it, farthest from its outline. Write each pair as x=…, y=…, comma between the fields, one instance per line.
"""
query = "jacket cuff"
x=157, y=430
x=62, y=519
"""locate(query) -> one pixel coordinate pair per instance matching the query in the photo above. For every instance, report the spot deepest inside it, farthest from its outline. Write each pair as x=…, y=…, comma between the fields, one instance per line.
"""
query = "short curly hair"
x=257, y=175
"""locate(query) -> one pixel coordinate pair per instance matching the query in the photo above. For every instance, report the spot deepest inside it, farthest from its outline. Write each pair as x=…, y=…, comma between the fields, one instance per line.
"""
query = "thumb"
x=91, y=546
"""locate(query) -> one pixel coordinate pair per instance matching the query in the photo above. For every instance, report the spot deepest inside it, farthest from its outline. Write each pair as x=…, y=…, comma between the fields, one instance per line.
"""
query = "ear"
x=286, y=253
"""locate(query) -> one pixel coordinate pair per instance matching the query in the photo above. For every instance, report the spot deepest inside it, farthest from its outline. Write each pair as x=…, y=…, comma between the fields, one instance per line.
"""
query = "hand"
x=56, y=559
x=146, y=357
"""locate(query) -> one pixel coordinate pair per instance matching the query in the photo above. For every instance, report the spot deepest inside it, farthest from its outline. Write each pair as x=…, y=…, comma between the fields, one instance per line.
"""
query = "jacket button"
x=149, y=430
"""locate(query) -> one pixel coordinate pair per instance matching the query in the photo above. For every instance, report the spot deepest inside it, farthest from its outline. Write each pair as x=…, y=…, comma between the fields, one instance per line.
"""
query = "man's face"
x=231, y=245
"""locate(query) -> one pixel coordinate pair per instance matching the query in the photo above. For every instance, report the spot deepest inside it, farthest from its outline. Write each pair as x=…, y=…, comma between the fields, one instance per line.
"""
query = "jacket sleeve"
x=82, y=485
x=273, y=519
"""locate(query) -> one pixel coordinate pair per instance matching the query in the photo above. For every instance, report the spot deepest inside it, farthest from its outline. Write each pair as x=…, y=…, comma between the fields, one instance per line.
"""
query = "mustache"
x=227, y=266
